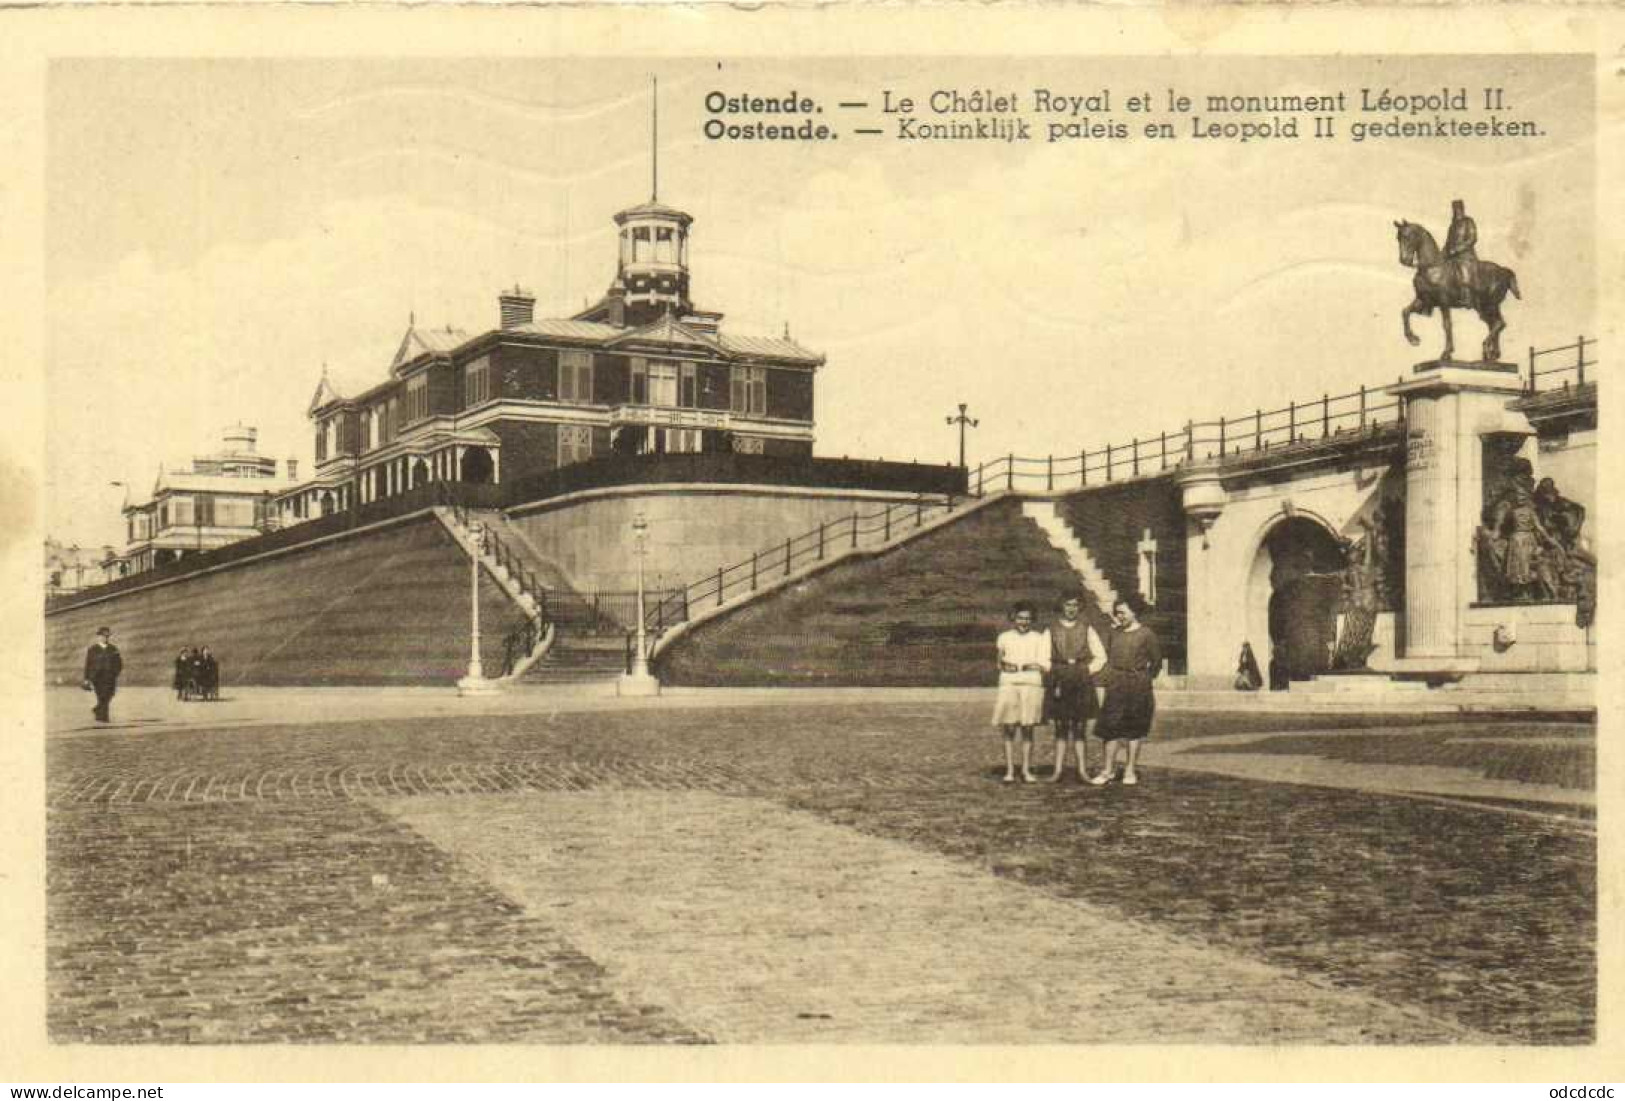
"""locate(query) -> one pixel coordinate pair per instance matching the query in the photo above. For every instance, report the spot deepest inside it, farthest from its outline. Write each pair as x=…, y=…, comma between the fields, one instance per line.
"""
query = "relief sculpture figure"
x=1531, y=547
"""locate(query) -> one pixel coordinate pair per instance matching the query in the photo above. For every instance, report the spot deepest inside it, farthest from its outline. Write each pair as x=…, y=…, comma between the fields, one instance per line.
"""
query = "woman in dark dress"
x=208, y=674
x=1134, y=659
x=1248, y=678
x=183, y=673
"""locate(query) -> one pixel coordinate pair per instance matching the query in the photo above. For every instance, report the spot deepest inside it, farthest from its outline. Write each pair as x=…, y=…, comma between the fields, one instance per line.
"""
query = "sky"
x=218, y=231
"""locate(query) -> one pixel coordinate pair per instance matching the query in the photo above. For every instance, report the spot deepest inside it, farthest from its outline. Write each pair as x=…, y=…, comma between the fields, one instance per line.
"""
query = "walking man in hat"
x=102, y=667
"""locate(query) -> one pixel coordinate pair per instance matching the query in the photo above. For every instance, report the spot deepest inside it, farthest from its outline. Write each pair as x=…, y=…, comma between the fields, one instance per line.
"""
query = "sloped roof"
x=324, y=394
x=770, y=346
x=216, y=483
x=418, y=341
x=654, y=207
x=569, y=328
x=665, y=330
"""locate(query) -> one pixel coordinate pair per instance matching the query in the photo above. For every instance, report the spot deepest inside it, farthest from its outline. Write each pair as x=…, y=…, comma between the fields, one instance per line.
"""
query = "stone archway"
x=1296, y=591
x=477, y=467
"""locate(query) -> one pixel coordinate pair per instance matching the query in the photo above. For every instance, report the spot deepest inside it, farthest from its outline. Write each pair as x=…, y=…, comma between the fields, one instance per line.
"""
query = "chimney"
x=518, y=307
x=293, y=470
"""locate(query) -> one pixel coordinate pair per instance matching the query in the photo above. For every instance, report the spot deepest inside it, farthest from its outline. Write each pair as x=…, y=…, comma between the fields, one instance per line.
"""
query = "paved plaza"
x=406, y=867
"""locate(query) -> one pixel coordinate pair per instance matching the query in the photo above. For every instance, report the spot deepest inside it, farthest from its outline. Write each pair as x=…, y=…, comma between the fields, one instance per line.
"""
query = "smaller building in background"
x=70, y=567
x=223, y=498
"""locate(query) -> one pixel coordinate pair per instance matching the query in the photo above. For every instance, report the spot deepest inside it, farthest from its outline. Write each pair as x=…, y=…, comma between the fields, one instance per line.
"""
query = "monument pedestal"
x=1450, y=408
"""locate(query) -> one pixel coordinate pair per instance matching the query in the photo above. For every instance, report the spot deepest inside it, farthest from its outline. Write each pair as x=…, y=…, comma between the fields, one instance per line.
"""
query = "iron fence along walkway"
x=1362, y=413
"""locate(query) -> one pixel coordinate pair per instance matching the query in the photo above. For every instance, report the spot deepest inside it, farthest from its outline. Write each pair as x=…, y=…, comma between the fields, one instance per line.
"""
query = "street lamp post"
x=475, y=683
x=964, y=422
x=639, y=682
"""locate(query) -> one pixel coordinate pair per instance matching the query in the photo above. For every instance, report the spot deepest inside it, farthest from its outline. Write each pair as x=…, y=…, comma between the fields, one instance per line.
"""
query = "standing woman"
x=183, y=673
x=1133, y=662
x=208, y=674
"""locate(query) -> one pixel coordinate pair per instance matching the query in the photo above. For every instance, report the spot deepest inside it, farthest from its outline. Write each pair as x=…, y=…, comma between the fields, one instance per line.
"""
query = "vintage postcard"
x=674, y=541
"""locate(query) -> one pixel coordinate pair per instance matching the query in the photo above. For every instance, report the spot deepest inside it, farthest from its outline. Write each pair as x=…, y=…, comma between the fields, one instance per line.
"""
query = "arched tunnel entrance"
x=1305, y=592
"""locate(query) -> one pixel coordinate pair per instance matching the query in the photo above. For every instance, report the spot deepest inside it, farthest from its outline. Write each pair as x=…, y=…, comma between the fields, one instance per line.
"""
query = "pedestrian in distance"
x=1076, y=655
x=103, y=664
x=1125, y=718
x=1248, y=677
x=208, y=674
x=183, y=673
x=1024, y=658
x=194, y=673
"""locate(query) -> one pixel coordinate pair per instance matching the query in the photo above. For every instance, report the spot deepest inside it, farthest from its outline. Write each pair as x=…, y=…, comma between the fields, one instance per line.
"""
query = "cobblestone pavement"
x=244, y=924
x=760, y=924
x=212, y=886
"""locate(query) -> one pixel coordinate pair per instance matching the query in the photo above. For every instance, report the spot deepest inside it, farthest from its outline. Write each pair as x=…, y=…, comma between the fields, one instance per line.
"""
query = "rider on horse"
x=1459, y=252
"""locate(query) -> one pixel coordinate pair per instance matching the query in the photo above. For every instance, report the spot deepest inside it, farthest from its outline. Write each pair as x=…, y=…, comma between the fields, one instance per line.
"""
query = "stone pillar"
x=1450, y=409
x=1211, y=598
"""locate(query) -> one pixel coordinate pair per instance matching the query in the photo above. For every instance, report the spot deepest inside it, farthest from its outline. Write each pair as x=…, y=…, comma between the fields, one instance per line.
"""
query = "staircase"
x=1061, y=537
x=526, y=646
x=566, y=608
x=580, y=660
x=583, y=646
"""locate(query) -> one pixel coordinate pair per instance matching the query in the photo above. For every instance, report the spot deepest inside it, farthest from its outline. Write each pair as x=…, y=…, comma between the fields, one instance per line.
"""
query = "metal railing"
x=520, y=642
x=1341, y=417
x=1573, y=373
x=871, y=529
x=612, y=611
x=496, y=549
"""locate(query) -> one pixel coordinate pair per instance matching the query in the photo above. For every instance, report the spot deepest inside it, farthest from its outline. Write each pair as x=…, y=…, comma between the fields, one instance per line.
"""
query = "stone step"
x=1063, y=538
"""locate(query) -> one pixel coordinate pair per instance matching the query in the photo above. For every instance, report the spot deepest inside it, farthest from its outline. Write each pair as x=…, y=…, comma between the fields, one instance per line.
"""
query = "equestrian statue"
x=1454, y=279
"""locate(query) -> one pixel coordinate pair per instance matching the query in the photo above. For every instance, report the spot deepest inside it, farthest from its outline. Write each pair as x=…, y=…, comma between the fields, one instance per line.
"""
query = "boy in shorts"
x=1024, y=658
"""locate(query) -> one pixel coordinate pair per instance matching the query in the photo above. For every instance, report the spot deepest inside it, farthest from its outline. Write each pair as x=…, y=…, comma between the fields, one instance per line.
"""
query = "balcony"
x=670, y=416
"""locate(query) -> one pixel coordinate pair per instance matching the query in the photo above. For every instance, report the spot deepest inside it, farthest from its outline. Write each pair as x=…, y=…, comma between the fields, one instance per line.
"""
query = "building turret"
x=652, y=276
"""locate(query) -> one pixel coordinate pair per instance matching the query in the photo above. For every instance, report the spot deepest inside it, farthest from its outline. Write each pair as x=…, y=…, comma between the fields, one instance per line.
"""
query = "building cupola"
x=653, y=268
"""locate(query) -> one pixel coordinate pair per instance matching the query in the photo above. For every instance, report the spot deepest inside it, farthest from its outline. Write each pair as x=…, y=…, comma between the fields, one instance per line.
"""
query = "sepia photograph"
x=688, y=548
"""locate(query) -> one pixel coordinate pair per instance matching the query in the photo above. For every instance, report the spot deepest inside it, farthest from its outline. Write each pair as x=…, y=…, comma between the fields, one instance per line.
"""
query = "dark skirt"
x=1072, y=695
x=1128, y=710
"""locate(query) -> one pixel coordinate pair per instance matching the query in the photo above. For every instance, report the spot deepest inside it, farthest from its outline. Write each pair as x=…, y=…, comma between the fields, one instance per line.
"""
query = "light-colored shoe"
x=1028, y=778
x=1130, y=779
x=1100, y=779
x=1010, y=778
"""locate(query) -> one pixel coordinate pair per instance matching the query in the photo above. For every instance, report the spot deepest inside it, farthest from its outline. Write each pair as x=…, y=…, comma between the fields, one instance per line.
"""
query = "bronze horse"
x=1439, y=286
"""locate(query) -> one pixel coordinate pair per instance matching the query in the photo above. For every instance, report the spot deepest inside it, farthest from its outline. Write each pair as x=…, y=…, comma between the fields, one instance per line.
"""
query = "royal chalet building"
x=642, y=371
x=224, y=497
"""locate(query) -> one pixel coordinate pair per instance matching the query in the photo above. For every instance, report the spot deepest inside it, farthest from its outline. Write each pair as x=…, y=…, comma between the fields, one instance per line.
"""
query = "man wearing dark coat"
x=208, y=674
x=1460, y=248
x=102, y=668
